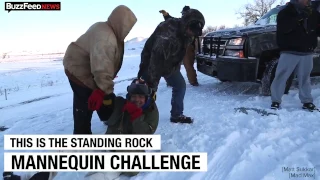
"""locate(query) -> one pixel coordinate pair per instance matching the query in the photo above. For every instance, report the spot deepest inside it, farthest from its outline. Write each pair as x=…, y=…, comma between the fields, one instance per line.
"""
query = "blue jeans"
x=178, y=84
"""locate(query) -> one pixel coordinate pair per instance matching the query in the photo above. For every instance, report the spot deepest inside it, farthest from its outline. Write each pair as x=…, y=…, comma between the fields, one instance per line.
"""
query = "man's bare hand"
x=163, y=12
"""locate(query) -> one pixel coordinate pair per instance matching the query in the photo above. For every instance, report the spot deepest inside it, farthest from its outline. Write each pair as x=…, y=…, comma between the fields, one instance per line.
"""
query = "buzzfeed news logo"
x=32, y=6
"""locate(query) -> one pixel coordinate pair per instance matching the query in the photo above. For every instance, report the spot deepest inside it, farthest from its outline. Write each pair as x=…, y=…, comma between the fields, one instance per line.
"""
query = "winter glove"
x=109, y=99
x=10, y=176
x=153, y=91
x=163, y=12
x=95, y=100
x=98, y=97
x=153, y=95
x=139, y=81
x=134, y=111
x=107, y=108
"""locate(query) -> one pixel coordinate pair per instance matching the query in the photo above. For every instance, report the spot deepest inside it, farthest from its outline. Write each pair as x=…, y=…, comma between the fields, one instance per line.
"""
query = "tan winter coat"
x=95, y=57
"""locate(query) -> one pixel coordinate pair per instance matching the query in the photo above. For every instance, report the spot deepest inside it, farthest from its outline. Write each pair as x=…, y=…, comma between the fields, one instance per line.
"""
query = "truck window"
x=270, y=17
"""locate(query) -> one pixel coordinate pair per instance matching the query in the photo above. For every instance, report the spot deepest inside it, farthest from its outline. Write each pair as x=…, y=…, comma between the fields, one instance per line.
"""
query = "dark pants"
x=81, y=114
x=178, y=84
x=40, y=176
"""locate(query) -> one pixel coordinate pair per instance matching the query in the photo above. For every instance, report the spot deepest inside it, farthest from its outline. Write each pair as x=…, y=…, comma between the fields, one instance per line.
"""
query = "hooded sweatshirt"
x=95, y=58
x=299, y=7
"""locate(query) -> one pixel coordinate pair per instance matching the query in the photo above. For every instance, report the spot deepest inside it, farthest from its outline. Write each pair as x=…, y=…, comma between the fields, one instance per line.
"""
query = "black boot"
x=10, y=176
x=275, y=105
x=181, y=119
x=195, y=83
x=310, y=106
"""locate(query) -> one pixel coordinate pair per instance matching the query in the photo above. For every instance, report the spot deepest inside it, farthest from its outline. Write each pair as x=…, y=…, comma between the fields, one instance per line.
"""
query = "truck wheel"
x=268, y=76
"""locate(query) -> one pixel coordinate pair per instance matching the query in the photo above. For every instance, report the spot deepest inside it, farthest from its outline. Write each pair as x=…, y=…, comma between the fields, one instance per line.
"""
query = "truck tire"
x=268, y=76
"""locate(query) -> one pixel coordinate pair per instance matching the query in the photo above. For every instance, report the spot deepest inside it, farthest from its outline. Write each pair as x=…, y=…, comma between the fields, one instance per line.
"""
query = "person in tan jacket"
x=92, y=62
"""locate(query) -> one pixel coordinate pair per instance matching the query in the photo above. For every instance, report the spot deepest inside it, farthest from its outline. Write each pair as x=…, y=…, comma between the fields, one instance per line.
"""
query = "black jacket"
x=167, y=17
x=292, y=34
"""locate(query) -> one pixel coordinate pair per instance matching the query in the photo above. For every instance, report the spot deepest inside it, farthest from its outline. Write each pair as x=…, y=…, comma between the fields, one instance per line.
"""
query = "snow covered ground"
x=239, y=146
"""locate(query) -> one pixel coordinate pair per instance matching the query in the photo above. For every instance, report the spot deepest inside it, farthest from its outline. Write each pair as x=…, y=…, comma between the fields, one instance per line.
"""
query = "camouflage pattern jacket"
x=164, y=50
x=194, y=41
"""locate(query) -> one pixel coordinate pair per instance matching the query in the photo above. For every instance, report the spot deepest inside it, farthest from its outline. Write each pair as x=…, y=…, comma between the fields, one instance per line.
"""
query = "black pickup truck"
x=247, y=54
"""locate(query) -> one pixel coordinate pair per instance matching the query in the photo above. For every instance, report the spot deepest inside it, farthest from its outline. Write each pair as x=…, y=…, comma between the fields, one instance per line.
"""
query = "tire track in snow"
x=33, y=120
x=274, y=143
x=300, y=155
x=270, y=156
x=31, y=101
x=222, y=88
x=235, y=88
x=230, y=88
x=221, y=162
x=263, y=160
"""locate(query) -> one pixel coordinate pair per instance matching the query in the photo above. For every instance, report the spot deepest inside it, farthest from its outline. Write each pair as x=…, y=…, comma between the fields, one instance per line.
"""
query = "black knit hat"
x=193, y=19
x=137, y=87
x=185, y=8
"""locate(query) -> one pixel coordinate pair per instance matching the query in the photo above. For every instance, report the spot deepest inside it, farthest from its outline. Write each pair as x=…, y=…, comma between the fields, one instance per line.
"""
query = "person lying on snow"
x=137, y=114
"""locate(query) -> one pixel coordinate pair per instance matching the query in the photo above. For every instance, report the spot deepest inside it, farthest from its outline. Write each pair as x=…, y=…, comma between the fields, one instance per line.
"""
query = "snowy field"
x=240, y=146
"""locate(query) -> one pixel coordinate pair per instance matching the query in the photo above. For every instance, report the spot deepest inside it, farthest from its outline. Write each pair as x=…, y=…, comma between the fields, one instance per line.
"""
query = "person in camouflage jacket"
x=163, y=53
x=189, y=58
